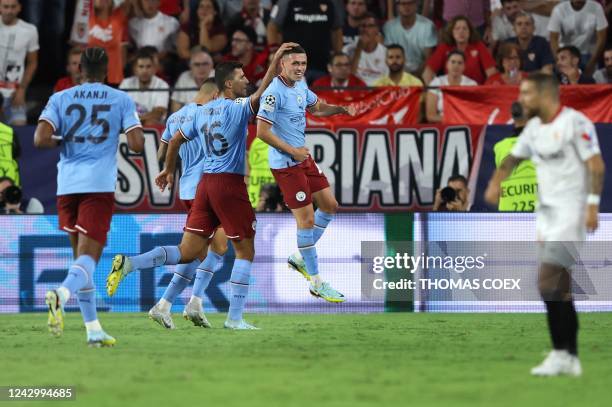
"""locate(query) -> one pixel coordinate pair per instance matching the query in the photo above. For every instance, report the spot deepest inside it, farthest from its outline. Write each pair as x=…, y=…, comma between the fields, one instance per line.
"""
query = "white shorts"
x=560, y=233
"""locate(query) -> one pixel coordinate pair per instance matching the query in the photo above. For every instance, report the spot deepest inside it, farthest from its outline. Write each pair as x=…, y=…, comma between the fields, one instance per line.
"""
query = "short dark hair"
x=147, y=52
x=503, y=2
x=94, y=62
x=544, y=82
x=455, y=52
x=571, y=49
x=295, y=50
x=337, y=55
x=396, y=46
x=458, y=177
x=224, y=72
x=248, y=31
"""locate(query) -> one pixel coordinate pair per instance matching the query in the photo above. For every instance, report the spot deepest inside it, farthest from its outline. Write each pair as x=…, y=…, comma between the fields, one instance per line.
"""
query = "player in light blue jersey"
x=192, y=159
x=281, y=122
x=85, y=121
x=221, y=197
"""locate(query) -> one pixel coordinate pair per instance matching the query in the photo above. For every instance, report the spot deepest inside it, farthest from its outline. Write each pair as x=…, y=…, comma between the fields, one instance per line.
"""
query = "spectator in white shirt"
x=455, y=66
x=200, y=68
x=503, y=24
x=151, y=104
x=368, y=55
x=153, y=28
x=18, y=60
x=604, y=75
x=582, y=24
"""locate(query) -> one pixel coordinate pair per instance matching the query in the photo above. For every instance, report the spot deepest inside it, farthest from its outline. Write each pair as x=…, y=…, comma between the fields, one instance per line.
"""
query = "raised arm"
x=270, y=74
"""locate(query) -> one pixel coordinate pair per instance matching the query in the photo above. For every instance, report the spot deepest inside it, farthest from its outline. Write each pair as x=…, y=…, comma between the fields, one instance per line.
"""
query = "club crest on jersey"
x=269, y=103
x=300, y=100
x=300, y=196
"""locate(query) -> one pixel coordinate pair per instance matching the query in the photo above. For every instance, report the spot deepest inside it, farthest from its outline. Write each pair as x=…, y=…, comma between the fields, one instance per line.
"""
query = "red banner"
x=378, y=106
x=491, y=104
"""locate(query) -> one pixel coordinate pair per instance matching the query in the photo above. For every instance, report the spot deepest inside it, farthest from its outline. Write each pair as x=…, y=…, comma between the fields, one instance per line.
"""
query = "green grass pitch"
x=396, y=359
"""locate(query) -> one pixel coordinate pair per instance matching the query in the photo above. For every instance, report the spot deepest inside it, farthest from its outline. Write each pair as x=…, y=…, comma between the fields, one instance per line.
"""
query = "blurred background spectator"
x=415, y=33
x=12, y=201
x=49, y=18
x=206, y=30
x=604, y=75
x=253, y=15
x=242, y=49
x=73, y=64
x=340, y=76
x=368, y=54
x=200, y=68
x=460, y=35
x=19, y=50
x=355, y=11
x=582, y=24
x=509, y=66
x=154, y=28
x=502, y=25
x=10, y=150
x=314, y=24
x=455, y=68
x=396, y=61
x=108, y=30
x=568, y=67
x=535, y=50
x=151, y=104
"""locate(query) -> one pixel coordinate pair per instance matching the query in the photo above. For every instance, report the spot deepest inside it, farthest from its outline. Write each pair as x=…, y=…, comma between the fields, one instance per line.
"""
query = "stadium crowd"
x=171, y=46
x=162, y=51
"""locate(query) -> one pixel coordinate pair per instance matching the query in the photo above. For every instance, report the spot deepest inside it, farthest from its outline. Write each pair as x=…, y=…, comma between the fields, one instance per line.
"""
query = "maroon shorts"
x=188, y=203
x=222, y=200
x=89, y=213
x=299, y=182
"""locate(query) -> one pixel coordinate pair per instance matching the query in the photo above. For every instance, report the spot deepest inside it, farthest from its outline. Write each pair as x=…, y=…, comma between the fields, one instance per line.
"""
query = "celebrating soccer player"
x=192, y=161
x=281, y=123
x=563, y=145
x=221, y=197
x=86, y=122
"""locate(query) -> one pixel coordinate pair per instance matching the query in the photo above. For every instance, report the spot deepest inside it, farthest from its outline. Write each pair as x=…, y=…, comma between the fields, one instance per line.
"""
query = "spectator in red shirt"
x=207, y=31
x=254, y=64
x=72, y=68
x=340, y=76
x=509, y=64
x=460, y=35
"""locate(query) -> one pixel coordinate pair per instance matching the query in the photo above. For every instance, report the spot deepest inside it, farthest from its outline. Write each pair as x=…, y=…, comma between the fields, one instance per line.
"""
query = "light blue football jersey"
x=285, y=107
x=89, y=118
x=221, y=125
x=191, y=153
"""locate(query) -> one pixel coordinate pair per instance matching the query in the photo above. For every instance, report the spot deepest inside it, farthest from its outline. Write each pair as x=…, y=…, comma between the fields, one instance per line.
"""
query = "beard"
x=395, y=68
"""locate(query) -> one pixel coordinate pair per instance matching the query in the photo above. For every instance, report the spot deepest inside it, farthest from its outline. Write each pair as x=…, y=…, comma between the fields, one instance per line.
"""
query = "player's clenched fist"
x=299, y=154
x=164, y=179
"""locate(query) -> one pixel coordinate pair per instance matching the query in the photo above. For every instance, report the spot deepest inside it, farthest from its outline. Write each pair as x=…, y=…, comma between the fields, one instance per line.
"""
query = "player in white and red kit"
x=563, y=145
